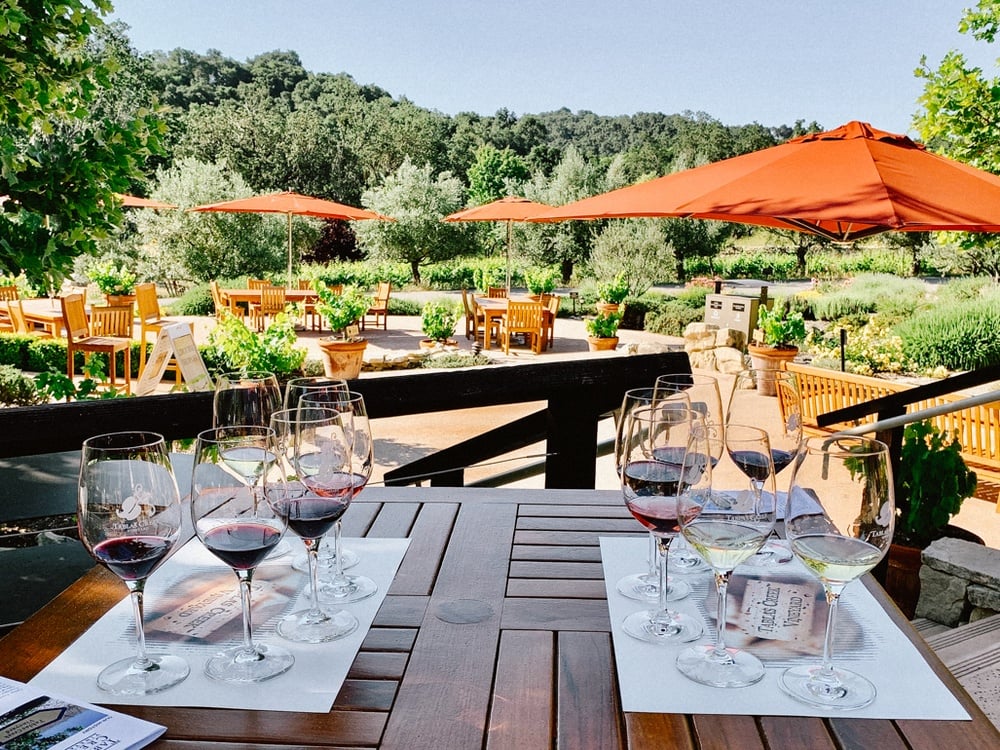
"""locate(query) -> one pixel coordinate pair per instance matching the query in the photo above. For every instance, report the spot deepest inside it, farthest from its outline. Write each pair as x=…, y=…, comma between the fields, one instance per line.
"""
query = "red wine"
x=658, y=514
x=312, y=515
x=781, y=459
x=132, y=558
x=337, y=484
x=241, y=545
x=752, y=463
x=652, y=478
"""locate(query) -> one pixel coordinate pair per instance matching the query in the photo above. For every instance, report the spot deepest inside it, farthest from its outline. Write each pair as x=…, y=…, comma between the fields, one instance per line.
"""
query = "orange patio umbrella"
x=843, y=184
x=134, y=201
x=510, y=209
x=293, y=204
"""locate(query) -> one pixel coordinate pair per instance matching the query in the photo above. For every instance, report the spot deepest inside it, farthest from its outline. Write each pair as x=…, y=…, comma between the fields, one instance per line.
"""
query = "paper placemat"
x=192, y=608
x=866, y=641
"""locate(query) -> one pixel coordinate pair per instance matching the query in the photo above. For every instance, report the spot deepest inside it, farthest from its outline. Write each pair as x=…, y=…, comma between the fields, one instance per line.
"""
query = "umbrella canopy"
x=843, y=184
x=292, y=204
x=133, y=201
x=510, y=209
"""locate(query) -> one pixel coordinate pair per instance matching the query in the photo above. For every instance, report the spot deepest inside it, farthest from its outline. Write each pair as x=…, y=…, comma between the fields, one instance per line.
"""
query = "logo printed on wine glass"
x=138, y=504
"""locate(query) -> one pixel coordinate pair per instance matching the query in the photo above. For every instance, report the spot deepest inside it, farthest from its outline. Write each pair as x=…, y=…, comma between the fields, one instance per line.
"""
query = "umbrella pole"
x=289, y=284
x=508, y=257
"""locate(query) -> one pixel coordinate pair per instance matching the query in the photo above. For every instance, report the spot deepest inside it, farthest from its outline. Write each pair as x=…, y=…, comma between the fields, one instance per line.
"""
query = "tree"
x=634, y=248
x=60, y=164
x=959, y=117
x=417, y=200
x=695, y=238
x=494, y=174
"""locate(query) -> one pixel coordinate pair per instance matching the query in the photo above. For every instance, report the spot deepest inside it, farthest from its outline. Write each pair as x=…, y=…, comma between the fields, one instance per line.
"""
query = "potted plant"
x=438, y=319
x=611, y=294
x=343, y=351
x=931, y=483
x=233, y=346
x=776, y=338
x=603, y=330
x=115, y=282
x=541, y=281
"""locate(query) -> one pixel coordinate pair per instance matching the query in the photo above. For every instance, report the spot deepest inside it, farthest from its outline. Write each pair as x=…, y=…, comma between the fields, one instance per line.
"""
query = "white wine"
x=724, y=544
x=835, y=558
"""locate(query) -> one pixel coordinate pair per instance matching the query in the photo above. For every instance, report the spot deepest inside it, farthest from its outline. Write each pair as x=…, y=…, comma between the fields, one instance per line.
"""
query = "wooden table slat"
x=588, y=707
x=565, y=554
x=553, y=589
x=562, y=570
x=523, y=709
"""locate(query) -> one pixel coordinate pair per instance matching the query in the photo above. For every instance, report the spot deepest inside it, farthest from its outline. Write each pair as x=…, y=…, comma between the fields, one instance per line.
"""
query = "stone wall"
x=959, y=582
x=712, y=348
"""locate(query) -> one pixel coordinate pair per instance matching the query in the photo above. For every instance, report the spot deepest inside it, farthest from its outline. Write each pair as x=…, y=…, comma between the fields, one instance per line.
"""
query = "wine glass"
x=656, y=442
x=295, y=389
x=317, y=487
x=642, y=586
x=725, y=535
x=129, y=519
x=771, y=399
x=839, y=519
x=343, y=588
x=240, y=530
x=245, y=398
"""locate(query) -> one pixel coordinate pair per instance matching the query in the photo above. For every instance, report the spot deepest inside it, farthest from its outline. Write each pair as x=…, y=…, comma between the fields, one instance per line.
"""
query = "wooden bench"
x=978, y=427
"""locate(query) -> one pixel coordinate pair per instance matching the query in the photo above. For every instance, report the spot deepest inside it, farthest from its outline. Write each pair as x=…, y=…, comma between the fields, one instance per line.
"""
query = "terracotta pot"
x=607, y=308
x=120, y=299
x=764, y=358
x=601, y=344
x=342, y=359
x=902, y=575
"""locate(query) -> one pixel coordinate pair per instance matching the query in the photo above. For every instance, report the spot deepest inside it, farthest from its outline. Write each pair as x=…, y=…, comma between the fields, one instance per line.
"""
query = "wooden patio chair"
x=105, y=333
x=496, y=292
x=258, y=283
x=551, y=310
x=15, y=310
x=380, y=308
x=152, y=321
x=522, y=318
x=7, y=293
x=272, y=302
x=473, y=316
x=222, y=304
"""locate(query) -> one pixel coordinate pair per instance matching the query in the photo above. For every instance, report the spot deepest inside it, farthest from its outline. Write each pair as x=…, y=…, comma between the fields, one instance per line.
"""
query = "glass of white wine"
x=839, y=520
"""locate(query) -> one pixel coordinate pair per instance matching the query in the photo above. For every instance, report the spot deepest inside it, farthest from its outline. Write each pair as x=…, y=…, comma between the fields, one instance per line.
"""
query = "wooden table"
x=495, y=634
x=253, y=295
x=495, y=307
x=45, y=314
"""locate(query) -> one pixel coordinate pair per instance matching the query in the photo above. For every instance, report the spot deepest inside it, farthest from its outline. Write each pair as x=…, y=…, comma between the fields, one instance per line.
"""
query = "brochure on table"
x=780, y=615
x=46, y=720
x=193, y=608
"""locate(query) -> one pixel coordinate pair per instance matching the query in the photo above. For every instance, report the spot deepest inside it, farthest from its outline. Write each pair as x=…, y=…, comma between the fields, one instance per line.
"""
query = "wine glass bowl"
x=245, y=398
x=725, y=534
x=129, y=518
x=839, y=519
x=652, y=477
x=236, y=525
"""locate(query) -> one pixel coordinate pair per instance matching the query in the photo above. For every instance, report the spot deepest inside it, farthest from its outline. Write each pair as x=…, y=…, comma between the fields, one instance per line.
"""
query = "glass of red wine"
x=643, y=586
x=315, y=491
x=725, y=535
x=239, y=528
x=129, y=519
x=656, y=443
x=771, y=400
x=343, y=588
x=245, y=398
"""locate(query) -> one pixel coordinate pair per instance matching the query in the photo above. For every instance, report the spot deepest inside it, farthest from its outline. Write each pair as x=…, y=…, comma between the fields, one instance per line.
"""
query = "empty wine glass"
x=656, y=442
x=725, y=535
x=317, y=488
x=642, y=586
x=770, y=399
x=129, y=519
x=702, y=391
x=241, y=530
x=245, y=398
x=839, y=519
x=341, y=587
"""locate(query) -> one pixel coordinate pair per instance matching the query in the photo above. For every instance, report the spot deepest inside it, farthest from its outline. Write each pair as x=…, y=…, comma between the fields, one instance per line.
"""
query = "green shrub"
x=456, y=359
x=672, y=317
x=400, y=306
x=236, y=347
x=47, y=355
x=961, y=336
x=14, y=349
x=693, y=296
x=966, y=288
x=17, y=389
x=195, y=301
x=438, y=319
x=459, y=273
x=865, y=294
x=869, y=349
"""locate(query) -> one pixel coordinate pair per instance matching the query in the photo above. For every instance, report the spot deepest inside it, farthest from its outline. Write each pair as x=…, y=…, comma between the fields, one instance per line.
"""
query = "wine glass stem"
x=135, y=593
x=722, y=588
x=312, y=552
x=654, y=566
x=245, y=578
x=662, y=547
x=832, y=600
x=339, y=576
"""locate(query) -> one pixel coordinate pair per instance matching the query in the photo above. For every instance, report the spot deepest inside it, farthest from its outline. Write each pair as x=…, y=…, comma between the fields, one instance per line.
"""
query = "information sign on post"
x=175, y=341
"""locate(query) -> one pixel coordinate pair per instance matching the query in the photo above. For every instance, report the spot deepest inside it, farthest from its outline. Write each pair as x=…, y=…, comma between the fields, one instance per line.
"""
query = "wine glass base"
x=358, y=588
x=679, y=629
x=772, y=554
x=327, y=561
x=636, y=587
x=126, y=678
x=848, y=690
x=737, y=669
x=237, y=665
x=317, y=626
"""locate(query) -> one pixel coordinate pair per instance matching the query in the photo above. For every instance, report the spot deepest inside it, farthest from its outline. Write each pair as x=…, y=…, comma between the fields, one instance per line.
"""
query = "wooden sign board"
x=175, y=341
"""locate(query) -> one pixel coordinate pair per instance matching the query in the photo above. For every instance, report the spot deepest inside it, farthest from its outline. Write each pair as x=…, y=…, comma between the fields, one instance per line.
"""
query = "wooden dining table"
x=495, y=307
x=253, y=295
x=45, y=314
x=495, y=633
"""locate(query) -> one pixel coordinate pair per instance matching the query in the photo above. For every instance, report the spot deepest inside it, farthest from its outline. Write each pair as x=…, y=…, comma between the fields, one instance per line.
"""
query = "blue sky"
x=771, y=62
